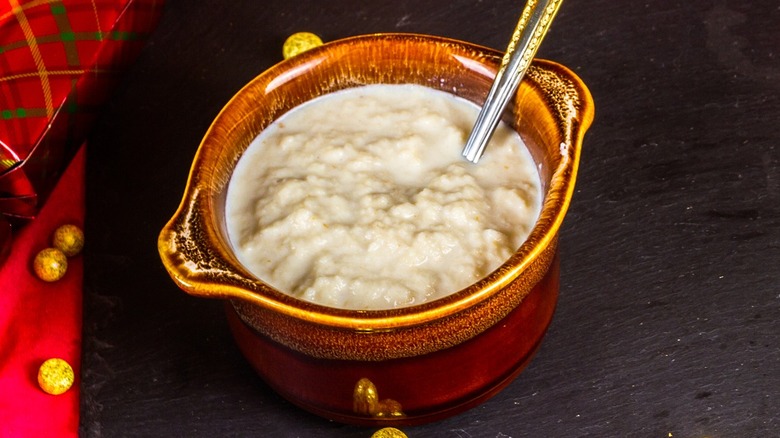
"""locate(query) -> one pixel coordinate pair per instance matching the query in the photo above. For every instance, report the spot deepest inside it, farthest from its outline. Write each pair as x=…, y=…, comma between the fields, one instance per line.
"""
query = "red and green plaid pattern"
x=58, y=61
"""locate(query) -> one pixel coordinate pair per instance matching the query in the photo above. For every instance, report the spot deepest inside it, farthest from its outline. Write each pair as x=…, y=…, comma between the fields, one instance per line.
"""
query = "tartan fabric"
x=58, y=61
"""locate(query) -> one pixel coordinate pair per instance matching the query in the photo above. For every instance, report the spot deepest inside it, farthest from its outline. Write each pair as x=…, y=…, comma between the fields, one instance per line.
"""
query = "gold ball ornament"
x=69, y=239
x=389, y=432
x=55, y=376
x=50, y=264
x=300, y=42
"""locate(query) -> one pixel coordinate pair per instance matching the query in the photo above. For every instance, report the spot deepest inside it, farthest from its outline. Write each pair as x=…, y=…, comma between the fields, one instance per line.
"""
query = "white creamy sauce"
x=360, y=199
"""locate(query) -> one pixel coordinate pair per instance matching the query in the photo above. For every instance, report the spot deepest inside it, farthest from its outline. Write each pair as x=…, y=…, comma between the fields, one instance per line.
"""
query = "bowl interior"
x=550, y=111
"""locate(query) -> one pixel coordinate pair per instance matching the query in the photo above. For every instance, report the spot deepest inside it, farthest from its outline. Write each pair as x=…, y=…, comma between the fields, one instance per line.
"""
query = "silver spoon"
x=531, y=29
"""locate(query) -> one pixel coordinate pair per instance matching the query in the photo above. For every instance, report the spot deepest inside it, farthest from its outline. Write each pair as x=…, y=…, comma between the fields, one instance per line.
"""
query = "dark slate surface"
x=668, y=317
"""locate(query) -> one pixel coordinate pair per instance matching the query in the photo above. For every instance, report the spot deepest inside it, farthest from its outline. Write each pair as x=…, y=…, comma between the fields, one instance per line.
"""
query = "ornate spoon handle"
x=531, y=29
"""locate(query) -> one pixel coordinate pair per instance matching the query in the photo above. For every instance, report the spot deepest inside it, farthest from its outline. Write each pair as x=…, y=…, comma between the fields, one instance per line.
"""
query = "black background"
x=667, y=323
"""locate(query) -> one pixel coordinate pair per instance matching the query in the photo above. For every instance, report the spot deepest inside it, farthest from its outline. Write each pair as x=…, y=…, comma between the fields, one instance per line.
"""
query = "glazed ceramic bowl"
x=385, y=367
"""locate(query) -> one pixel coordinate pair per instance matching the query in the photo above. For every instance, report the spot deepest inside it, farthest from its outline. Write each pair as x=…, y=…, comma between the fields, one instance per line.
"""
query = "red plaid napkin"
x=59, y=59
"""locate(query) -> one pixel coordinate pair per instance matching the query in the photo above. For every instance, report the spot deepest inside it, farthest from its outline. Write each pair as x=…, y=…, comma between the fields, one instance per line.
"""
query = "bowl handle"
x=192, y=256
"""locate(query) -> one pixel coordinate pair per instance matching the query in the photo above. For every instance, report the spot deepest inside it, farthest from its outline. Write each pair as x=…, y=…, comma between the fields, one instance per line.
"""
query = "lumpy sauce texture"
x=360, y=199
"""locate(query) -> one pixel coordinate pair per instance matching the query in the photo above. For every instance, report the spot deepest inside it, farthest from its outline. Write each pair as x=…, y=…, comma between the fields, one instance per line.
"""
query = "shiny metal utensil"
x=531, y=29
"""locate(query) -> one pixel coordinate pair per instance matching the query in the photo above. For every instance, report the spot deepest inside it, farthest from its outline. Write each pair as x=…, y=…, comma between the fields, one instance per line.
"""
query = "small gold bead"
x=55, y=376
x=389, y=432
x=69, y=239
x=50, y=264
x=300, y=42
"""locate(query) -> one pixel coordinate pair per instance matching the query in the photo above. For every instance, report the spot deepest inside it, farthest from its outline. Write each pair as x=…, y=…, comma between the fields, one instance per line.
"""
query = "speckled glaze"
x=482, y=336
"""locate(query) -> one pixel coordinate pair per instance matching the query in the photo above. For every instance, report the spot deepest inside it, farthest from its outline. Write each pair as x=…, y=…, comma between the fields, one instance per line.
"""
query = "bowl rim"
x=191, y=280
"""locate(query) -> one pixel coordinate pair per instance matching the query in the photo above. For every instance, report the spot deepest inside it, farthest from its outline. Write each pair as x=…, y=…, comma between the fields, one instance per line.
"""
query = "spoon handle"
x=531, y=29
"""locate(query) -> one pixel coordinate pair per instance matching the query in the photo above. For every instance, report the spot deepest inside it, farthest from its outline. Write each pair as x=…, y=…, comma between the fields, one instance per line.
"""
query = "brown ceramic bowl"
x=389, y=367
